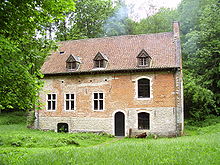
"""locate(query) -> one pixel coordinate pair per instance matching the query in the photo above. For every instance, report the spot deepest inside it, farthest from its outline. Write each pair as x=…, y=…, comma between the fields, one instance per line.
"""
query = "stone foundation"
x=162, y=122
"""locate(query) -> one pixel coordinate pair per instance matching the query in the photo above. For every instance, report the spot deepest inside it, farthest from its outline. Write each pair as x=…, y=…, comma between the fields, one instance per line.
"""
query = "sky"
x=143, y=8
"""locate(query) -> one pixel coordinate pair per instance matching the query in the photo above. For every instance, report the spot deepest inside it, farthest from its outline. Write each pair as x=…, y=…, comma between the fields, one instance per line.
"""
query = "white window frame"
x=51, y=101
x=74, y=100
x=93, y=99
x=136, y=88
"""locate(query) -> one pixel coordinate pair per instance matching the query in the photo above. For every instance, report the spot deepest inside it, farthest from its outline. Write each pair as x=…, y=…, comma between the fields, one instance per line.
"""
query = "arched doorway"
x=119, y=124
x=62, y=127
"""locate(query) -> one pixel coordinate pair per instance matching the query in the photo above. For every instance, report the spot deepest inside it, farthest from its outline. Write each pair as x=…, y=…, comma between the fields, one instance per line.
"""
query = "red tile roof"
x=121, y=52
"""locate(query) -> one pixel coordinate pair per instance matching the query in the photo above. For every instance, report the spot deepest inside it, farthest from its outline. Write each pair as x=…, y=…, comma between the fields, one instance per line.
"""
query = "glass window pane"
x=72, y=105
x=101, y=63
x=49, y=96
x=101, y=95
x=67, y=105
x=100, y=104
x=143, y=88
x=95, y=95
x=53, y=105
x=72, y=96
x=49, y=105
x=67, y=96
x=95, y=104
x=54, y=96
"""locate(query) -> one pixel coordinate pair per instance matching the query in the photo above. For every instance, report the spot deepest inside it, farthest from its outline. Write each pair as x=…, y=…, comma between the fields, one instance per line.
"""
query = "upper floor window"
x=72, y=63
x=51, y=101
x=69, y=102
x=143, y=120
x=143, y=59
x=143, y=88
x=100, y=60
x=98, y=101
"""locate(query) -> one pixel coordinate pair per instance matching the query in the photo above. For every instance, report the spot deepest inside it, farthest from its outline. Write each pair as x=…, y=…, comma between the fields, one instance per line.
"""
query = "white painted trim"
x=136, y=88
x=98, y=106
x=64, y=101
x=113, y=120
x=51, y=100
x=150, y=113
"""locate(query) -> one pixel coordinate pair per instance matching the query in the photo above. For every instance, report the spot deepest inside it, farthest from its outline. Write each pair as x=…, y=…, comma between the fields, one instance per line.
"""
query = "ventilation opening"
x=62, y=52
x=62, y=127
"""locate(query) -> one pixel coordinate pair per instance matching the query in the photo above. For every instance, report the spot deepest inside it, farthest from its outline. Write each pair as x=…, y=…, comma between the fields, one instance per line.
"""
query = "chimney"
x=176, y=29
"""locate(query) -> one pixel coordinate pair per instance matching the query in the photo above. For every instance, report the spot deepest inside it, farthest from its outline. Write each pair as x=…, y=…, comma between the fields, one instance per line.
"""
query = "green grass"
x=201, y=145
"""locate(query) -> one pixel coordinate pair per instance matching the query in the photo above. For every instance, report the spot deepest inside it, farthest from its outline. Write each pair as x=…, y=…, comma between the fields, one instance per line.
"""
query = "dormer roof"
x=100, y=56
x=73, y=58
x=143, y=54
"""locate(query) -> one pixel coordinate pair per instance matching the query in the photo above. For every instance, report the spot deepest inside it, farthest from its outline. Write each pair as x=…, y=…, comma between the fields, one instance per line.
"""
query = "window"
x=143, y=61
x=51, y=101
x=143, y=120
x=71, y=65
x=69, y=102
x=143, y=88
x=100, y=60
x=99, y=64
x=98, y=101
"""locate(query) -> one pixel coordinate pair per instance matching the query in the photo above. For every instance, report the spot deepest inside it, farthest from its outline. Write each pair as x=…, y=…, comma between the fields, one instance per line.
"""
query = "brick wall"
x=120, y=95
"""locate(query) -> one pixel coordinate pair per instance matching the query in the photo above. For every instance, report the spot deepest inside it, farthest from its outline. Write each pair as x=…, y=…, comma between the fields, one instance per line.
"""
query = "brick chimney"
x=176, y=29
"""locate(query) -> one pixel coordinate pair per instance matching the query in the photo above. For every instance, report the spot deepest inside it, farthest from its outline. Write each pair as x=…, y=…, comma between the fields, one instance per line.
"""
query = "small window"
x=69, y=102
x=98, y=101
x=62, y=127
x=99, y=64
x=143, y=61
x=62, y=52
x=51, y=101
x=143, y=120
x=71, y=65
x=143, y=88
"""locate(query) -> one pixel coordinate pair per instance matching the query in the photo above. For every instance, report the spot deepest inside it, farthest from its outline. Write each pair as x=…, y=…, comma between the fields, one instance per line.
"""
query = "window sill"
x=98, y=110
x=148, y=98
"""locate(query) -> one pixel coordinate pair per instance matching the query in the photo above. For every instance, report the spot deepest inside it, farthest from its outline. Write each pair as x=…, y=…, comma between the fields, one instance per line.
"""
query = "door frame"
x=113, y=116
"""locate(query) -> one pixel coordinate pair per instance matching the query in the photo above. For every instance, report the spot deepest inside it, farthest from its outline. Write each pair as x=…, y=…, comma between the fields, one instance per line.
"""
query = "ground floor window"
x=69, y=102
x=143, y=120
x=62, y=127
x=98, y=101
x=51, y=101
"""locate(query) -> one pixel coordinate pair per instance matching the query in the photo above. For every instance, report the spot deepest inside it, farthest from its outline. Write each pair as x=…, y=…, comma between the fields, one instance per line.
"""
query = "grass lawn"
x=19, y=145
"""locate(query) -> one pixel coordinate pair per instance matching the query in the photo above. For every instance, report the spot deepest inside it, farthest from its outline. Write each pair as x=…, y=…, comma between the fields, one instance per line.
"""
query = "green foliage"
x=86, y=21
x=199, y=101
x=8, y=118
x=160, y=22
x=22, y=52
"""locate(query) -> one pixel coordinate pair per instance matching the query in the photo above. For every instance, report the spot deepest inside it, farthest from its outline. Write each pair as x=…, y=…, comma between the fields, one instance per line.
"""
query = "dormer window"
x=72, y=63
x=99, y=64
x=143, y=59
x=100, y=60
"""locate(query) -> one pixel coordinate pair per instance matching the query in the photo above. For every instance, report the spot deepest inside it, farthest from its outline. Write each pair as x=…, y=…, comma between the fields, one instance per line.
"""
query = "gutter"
x=93, y=72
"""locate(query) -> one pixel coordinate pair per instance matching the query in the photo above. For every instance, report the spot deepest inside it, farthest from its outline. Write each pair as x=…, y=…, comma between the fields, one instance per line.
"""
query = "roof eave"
x=172, y=69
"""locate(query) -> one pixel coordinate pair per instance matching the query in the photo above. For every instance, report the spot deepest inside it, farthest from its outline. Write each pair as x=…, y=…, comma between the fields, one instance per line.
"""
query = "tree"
x=160, y=22
x=86, y=22
x=209, y=49
x=22, y=52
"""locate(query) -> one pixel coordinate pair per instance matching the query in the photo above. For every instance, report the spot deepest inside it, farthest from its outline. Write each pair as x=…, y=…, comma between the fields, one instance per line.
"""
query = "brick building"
x=119, y=85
